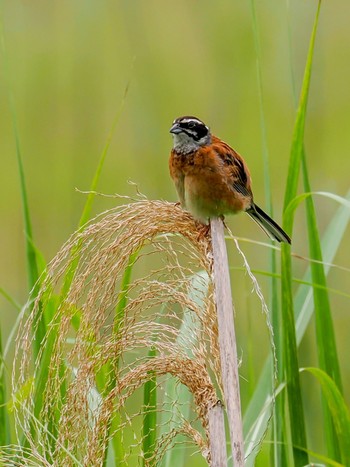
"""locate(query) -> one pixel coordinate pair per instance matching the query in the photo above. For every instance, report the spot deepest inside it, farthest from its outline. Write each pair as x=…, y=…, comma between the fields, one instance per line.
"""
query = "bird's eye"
x=191, y=124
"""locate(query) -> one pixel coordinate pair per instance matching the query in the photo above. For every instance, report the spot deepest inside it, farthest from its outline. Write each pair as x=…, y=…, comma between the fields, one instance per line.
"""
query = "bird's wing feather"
x=235, y=168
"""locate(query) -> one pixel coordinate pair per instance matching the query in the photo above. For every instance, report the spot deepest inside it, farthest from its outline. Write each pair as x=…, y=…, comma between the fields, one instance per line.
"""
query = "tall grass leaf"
x=5, y=435
x=338, y=409
x=10, y=299
x=85, y=216
x=91, y=196
x=265, y=152
x=326, y=345
x=325, y=338
x=279, y=446
x=5, y=431
x=295, y=405
x=258, y=411
x=108, y=373
x=326, y=461
x=32, y=267
x=299, y=281
x=30, y=253
x=294, y=203
x=299, y=128
x=322, y=327
x=149, y=428
x=44, y=368
x=124, y=287
x=118, y=450
x=174, y=391
x=330, y=244
x=40, y=260
x=291, y=367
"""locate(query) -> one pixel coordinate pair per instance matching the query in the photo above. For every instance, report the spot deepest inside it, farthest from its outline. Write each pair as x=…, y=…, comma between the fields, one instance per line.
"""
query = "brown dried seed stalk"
x=160, y=295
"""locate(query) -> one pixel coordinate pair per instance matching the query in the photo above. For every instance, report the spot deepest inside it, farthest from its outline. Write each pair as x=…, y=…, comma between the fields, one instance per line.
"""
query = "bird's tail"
x=269, y=226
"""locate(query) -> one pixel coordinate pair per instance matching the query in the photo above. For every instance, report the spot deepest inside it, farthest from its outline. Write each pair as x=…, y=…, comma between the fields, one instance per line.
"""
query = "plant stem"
x=227, y=341
x=216, y=424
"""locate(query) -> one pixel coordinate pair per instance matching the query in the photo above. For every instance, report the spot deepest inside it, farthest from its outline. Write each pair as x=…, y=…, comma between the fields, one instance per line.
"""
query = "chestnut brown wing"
x=235, y=169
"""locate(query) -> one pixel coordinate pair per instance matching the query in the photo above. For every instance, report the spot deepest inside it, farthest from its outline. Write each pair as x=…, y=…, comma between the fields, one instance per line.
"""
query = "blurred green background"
x=68, y=64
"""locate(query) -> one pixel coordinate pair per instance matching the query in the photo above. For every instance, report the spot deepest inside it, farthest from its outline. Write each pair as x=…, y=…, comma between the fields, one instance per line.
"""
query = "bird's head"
x=189, y=134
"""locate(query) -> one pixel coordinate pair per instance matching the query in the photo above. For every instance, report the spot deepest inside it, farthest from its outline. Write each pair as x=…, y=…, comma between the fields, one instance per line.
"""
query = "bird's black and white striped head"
x=189, y=134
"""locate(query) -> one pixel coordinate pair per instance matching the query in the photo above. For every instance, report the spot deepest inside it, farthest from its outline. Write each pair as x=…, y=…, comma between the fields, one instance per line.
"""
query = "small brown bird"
x=211, y=178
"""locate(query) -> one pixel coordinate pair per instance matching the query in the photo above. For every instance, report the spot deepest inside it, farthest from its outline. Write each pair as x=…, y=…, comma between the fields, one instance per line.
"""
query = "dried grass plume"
x=102, y=329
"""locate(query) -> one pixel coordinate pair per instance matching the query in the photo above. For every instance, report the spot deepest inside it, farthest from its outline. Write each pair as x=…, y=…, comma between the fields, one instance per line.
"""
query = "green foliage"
x=326, y=345
x=289, y=343
x=278, y=399
x=262, y=401
x=4, y=419
x=149, y=426
x=338, y=409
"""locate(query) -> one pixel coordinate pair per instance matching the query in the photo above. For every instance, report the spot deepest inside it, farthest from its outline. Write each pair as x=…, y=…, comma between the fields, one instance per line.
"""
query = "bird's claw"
x=203, y=230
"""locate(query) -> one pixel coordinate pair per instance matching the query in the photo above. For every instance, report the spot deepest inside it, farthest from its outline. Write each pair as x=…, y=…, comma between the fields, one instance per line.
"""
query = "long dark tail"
x=269, y=226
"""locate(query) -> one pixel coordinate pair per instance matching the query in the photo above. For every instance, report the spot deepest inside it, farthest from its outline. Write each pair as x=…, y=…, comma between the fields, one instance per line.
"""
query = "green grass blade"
x=265, y=152
x=174, y=391
x=338, y=409
x=323, y=327
x=291, y=367
x=85, y=216
x=124, y=287
x=299, y=128
x=326, y=461
x=10, y=299
x=91, y=196
x=106, y=379
x=31, y=259
x=117, y=441
x=278, y=446
x=330, y=244
x=254, y=425
x=119, y=453
x=5, y=430
x=295, y=280
x=304, y=196
x=326, y=345
x=44, y=368
x=5, y=434
x=149, y=428
x=32, y=269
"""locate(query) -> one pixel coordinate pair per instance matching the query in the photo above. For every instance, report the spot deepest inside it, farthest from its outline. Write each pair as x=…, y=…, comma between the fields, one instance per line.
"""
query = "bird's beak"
x=175, y=129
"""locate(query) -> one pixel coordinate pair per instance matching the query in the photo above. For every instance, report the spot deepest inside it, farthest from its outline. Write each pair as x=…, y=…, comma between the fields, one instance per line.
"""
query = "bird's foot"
x=222, y=217
x=203, y=230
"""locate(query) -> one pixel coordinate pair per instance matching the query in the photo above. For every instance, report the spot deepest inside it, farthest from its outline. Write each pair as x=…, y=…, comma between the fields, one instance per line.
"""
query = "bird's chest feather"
x=197, y=164
x=201, y=183
x=201, y=173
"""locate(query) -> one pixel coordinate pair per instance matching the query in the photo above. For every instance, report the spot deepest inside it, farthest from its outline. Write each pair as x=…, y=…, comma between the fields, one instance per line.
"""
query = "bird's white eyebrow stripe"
x=188, y=120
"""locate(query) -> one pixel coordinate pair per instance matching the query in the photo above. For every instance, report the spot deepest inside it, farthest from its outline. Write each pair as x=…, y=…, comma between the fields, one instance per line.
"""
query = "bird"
x=212, y=179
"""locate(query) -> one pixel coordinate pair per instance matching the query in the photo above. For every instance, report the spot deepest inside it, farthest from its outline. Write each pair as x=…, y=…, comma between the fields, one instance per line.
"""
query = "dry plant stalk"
x=216, y=422
x=76, y=402
x=227, y=341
